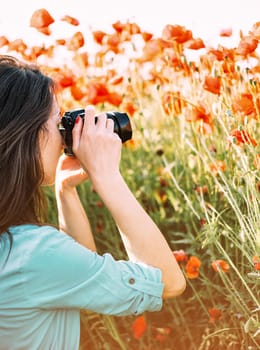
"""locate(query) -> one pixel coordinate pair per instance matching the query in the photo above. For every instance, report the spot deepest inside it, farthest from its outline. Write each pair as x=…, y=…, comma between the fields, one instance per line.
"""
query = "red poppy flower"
x=132, y=28
x=98, y=36
x=216, y=54
x=129, y=108
x=76, y=41
x=113, y=41
x=61, y=42
x=172, y=58
x=127, y=28
x=242, y=137
x=17, y=45
x=221, y=54
x=217, y=166
x=256, y=261
x=147, y=36
x=118, y=26
x=66, y=80
x=139, y=327
x=81, y=60
x=71, y=20
x=212, y=84
x=114, y=98
x=203, y=222
x=226, y=32
x=247, y=45
x=77, y=92
x=256, y=30
x=37, y=51
x=192, y=267
x=195, y=44
x=203, y=118
x=220, y=265
x=215, y=314
x=180, y=255
x=153, y=48
x=40, y=19
x=244, y=104
x=200, y=113
x=97, y=92
x=3, y=41
x=177, y=33
x=202, y=189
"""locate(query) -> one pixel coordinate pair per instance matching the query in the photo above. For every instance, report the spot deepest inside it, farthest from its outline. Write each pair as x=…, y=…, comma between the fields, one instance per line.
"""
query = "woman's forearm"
x=72, y=217
x=142, y=238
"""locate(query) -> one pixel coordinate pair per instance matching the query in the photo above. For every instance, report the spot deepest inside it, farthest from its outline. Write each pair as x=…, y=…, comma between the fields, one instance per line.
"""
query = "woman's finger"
x=89, y=122
x=101, y=121
x=110, y=125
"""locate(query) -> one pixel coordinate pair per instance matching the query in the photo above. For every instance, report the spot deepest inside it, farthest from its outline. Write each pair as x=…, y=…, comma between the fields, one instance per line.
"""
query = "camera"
x=122, y=126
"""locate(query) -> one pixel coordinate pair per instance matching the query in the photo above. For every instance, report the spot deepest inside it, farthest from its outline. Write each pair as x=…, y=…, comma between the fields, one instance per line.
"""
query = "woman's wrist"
x=107, y=183
x=63, y=190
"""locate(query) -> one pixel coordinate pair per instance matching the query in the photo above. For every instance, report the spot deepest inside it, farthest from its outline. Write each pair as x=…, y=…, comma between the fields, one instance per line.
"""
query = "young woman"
x=47, y=275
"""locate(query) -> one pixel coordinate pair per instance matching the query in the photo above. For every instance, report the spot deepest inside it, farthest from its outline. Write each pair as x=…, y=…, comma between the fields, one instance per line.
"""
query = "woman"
x=47, y=275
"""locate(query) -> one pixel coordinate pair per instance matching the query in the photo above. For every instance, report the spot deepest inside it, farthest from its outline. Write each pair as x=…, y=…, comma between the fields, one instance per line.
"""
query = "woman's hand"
x=97, y=146
x=69, y=173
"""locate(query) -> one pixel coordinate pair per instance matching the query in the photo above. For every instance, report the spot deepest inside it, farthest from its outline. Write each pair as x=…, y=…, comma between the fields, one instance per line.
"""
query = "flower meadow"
x=193, y=163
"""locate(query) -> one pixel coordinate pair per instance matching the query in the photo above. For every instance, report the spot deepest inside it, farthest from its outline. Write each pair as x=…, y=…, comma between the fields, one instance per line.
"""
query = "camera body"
x=122, y=126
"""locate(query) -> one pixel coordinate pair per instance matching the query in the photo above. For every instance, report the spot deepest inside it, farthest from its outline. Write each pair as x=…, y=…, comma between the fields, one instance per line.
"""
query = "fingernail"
x=77, y=119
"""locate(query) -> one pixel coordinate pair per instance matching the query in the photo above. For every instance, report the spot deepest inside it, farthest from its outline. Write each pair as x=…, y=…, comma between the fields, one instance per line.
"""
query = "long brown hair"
x=26, y=98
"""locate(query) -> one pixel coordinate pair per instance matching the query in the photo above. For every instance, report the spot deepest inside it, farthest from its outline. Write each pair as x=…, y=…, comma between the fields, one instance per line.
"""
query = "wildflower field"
x=193, y=163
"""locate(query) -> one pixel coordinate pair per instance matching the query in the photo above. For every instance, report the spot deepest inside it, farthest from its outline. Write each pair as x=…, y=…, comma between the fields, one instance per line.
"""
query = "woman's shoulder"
x=32, y=231
x=31, y=244
x=36, y=237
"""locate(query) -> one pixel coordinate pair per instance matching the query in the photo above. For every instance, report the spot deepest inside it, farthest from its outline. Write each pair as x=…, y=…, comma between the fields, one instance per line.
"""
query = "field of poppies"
x=193, y=163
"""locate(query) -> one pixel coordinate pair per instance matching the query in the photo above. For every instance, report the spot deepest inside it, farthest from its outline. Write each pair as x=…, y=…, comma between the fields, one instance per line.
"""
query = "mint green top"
x=49, y=277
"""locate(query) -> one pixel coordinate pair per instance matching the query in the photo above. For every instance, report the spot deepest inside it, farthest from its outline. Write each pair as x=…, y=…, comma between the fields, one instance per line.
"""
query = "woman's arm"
x=142, y=238
x=71, y=214
x=99, y=150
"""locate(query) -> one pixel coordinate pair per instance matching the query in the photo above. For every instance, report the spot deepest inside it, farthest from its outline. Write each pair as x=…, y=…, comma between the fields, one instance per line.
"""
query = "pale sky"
x=204, y=17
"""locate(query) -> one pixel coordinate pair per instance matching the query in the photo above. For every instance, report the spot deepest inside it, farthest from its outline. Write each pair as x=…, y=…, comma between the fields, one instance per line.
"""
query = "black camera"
x=122, y=126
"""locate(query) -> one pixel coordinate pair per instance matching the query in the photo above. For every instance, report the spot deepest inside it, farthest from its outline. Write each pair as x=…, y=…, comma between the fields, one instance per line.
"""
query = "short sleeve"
x=61, y=273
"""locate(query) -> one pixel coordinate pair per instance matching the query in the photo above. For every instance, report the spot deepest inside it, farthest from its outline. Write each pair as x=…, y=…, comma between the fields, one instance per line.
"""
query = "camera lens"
x=122, y=125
